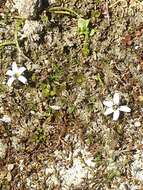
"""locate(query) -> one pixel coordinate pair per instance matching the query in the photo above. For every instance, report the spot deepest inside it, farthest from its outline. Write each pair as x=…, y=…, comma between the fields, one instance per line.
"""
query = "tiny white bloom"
x=113, y=107
x=16, y=73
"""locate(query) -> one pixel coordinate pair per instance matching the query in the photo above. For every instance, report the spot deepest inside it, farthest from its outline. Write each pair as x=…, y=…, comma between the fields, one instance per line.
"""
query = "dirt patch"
x=53, y=131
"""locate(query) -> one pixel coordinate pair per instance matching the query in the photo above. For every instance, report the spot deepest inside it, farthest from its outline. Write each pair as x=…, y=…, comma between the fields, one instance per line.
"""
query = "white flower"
x=114, y=108
x=16, y=73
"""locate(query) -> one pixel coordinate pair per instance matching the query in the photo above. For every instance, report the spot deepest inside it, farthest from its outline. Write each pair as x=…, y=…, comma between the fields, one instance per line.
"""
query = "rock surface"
x=28, y=8
x=31, y=30
x=3, y=148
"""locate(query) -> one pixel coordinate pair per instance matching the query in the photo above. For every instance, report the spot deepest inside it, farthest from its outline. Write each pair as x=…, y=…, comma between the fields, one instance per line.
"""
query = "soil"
x=77, y=54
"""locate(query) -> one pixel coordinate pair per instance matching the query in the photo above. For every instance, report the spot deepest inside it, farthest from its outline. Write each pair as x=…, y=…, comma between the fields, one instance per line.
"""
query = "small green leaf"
x=83, y=26
x=92, y=32
x=85, y=49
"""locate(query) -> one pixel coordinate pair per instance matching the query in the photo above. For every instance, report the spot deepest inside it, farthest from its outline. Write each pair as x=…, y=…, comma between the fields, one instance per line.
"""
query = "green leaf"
x=83, y=26
x=92, y=32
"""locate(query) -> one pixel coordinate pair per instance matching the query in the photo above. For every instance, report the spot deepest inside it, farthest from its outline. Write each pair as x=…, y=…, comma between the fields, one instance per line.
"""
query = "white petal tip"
x=22, y=79
x=116, y=115
x=125, y=109
x=10, y=81
x=9, y=73
x=14, y=67
x=21, y=70
x=116, y=98
x=108, y=104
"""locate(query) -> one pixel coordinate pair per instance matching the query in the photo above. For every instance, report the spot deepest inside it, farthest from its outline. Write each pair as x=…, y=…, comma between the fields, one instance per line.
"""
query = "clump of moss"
x=39, y=135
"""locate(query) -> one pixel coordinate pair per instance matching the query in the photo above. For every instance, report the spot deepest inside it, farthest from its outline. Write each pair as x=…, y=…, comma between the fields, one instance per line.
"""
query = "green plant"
x=83, y=29
x=82, y=25
x=39, y=135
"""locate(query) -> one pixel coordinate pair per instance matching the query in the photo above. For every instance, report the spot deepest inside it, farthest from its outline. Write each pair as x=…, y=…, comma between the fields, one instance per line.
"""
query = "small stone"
x=10, y=167
x=137, y=124
x=55, y=107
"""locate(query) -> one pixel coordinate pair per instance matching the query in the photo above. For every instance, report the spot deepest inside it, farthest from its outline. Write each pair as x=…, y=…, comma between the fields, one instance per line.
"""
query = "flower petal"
x=10, y=81
x=14, y=67
x=9, y=72
x=116, y=115
x=22, y=79
x=21, y=70
x=108, y=111
x=125, y=109
x=116, y=98
x=109, y=104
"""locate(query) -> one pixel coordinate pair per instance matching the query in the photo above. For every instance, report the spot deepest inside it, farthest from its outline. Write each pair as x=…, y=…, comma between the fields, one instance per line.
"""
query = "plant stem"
x=63, y=10
x=17, y=44
x=7, y=43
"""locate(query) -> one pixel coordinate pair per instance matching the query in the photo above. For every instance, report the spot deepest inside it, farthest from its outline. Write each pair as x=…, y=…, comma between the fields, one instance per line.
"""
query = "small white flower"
x=114, y=108
x=16, y=73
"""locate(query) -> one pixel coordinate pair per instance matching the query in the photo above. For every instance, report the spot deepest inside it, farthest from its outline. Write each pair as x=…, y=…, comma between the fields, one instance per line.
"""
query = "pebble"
x=137, y=124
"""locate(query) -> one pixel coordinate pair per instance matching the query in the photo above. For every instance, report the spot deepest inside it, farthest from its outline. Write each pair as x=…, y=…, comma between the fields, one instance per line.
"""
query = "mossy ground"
x=61, y=73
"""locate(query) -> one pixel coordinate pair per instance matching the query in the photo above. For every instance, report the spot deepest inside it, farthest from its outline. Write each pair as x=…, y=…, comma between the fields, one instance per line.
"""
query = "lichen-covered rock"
x=137, y=166
x=3, y=148
x=31, y=30
x=28, y=8
x=52, y=2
